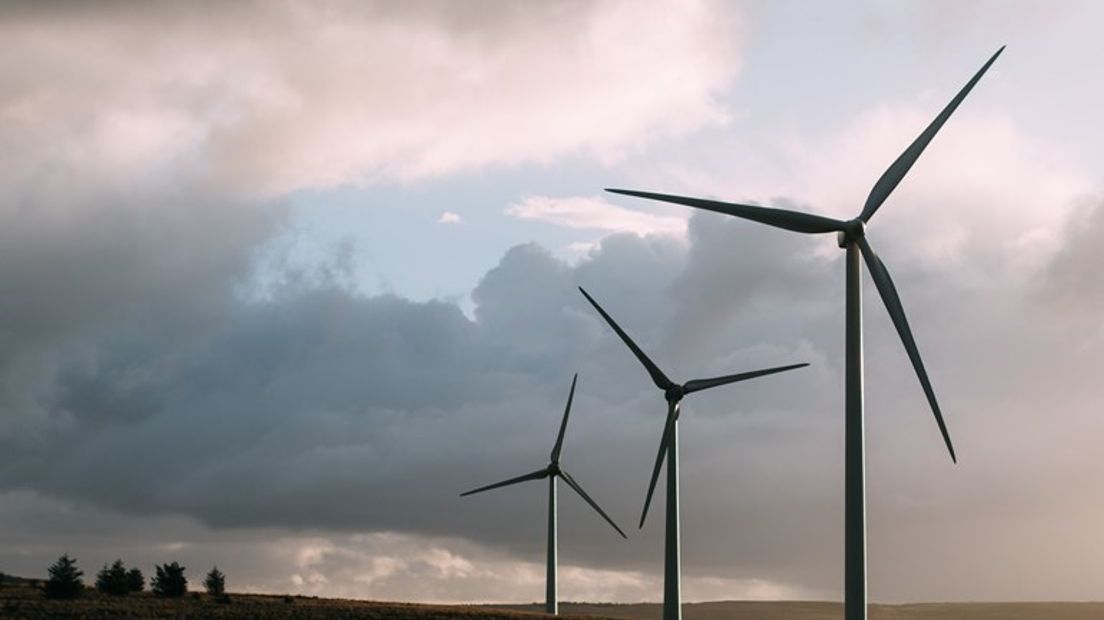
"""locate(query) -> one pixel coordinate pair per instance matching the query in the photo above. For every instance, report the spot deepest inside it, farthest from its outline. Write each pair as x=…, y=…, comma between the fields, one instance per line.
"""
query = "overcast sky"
x=280, y=280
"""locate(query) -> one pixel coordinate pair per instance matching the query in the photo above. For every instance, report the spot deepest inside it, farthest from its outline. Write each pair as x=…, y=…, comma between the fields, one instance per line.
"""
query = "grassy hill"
x=24, y=600
x=815, y=610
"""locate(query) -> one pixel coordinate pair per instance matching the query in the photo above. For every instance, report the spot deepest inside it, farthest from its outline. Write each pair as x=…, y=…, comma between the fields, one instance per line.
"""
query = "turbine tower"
x=668, y=447
x=852, y=237
x=553, y=471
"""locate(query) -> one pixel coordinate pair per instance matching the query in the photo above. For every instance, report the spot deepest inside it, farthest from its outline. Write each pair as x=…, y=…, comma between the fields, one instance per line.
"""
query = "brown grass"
x=25, y=601
x=813, y=610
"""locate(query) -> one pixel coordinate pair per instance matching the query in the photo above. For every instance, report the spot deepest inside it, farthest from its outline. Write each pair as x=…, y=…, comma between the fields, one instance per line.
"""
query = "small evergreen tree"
x=169, y=581
x=65, y=579
x=136, y=582
x=113, y=580
x=215, y=582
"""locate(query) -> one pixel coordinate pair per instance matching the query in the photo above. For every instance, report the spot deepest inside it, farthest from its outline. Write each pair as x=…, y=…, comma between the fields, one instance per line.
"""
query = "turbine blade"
x=668, y=425
x=660, y=379
x=892, y=302
x=563, y=423
x=537, y=475
x=578, y=489
x=779, y=218
x=704, y=384
x=897, y=171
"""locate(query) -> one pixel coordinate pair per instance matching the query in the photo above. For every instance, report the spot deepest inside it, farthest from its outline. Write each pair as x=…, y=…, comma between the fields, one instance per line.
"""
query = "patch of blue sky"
x=389, y=238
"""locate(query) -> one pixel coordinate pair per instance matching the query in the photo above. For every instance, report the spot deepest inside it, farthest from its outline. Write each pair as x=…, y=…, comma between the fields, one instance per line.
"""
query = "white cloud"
x=448, y=217
x=345, y=92
x=381, y=566
x=409, y=567
x=594, y=213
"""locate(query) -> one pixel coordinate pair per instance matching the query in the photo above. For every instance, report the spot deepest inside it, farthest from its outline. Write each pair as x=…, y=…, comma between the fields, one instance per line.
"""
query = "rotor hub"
x=856, y=229
x=675, y=394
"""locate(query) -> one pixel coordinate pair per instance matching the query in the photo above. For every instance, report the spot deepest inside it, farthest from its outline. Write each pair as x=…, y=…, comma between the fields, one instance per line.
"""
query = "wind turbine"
x=852, y=237
x=552, y=471
x=668, y=446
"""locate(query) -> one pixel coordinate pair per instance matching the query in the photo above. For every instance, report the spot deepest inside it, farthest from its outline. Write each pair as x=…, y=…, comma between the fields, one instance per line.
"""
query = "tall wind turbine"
x=852, y=237
x=668, y=446
x=552, y=471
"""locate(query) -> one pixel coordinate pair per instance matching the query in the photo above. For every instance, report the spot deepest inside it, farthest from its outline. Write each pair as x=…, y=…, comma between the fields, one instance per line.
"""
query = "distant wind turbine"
x=668, y=446
x=852, y=237
x=552, y=471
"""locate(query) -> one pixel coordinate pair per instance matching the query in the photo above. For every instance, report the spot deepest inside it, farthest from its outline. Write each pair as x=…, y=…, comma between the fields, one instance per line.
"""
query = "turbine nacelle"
x=674, y=394
x=852, y=232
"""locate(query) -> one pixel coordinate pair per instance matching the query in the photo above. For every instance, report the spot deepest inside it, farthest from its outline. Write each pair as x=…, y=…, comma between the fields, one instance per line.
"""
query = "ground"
x=25, y=601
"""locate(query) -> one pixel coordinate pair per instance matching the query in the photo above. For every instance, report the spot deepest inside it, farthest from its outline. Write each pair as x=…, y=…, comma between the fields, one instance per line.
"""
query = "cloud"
x=380, y=566
x=1072, y=280
x=594, y=213
x=346, y=92
x=111, y=267
x=449, y=217
x=282, y=405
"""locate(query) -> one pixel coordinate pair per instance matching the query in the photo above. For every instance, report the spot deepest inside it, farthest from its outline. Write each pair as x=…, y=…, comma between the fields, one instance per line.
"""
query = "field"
x=814, y=610
x=24, y=601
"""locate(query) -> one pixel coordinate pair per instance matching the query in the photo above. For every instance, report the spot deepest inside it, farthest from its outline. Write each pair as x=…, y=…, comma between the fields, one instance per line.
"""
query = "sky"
x=281, y=280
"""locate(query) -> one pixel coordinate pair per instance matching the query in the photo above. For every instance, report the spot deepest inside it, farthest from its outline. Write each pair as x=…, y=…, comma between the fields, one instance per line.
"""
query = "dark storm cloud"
x=321, y=408
x=115, y=268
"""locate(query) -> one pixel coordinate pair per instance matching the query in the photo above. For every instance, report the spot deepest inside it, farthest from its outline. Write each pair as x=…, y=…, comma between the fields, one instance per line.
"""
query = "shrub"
x=169, y=581
x=136, y=582
x=65, y=579
x=215, y=582
x=113, y=580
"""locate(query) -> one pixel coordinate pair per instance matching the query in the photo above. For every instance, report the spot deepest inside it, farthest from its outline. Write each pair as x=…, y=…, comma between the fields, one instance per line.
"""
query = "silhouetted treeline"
x=65, y=582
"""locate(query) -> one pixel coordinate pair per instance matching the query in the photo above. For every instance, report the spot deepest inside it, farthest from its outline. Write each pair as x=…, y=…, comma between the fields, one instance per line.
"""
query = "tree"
x=215, y=582
x=65, y=579
x=169, y=581
x=136, y=582
x=113, y=580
